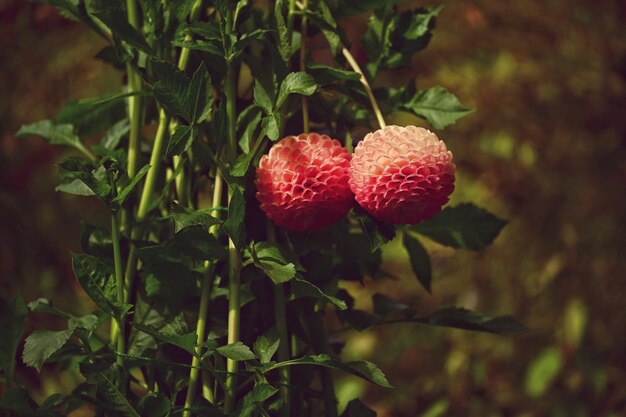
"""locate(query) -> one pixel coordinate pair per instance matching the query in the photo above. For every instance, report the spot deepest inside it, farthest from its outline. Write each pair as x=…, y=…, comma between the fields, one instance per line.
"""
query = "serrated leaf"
x=114, y=134
x=420, y=261
x=264, y=91
x=43, y=305
x=185, y=217
x=75, y=187
x=363, y=369
x=323, y=74
x=295, y=83
x=464, y=226
x=248, y=123
x=185, y=341
x=194, y=243
x=41, y=344
x=283, y=43
x=438, y=106
x=266, y=346
x=119, y=199
x=208, y=30
x=12, y=321
x=300, y=287
x=91, y=272
x=93, y=115
x=63, y=134
x=236, y=351
x=107, y=383
x=255, y=398
x=197, y=45
x=272, y=259
x=235, y=224
x=271, y=126
x=116, y=20
x=180, y=141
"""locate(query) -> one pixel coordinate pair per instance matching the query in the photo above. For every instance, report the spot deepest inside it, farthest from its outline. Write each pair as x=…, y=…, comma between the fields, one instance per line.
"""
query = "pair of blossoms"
x=399, y=175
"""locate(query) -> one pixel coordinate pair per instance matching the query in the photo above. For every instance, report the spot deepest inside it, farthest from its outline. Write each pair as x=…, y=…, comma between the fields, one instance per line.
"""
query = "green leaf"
x=236, y=351
x=323, y=74
x=271, y=126
x=266, y=346
x=197, y=45
x=17, y=403
x=185, y=341
x=464, y=226
x=384, y=305
x=241, y=165
x=55, y=134
x=234, y=225
x=75, y=187
x=93, y=115
x=42, y=305
x=185, y=217
x=352, y=7
x=248, y=123
x=300, y=287
x=92, y=272
x=411, y=32
x=461, y=318
x=255, y=398
x=542, y=371
x=264, y=92
x=119, y=199
x=377, y=232
x=194, y=243
x=154, y=404
x=420, y=261
x=208, y=30
x=115, y=19
x=363, y=369
x=438, y=106
x=180, y=95
x=94, y=179
x=41, y=344
x=113, y=136
x=12, y=321
x=284, y=46
x=67, y=8
x=356, y=408
x=272, y=259
x=180, y=141
x=107, y=382
x=295, y=83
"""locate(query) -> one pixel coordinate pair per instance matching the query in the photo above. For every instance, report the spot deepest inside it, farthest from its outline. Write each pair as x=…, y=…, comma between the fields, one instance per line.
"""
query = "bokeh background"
x=545, y=148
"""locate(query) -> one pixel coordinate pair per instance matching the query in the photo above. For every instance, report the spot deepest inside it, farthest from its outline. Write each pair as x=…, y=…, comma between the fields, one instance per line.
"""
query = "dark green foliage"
x=187, y=289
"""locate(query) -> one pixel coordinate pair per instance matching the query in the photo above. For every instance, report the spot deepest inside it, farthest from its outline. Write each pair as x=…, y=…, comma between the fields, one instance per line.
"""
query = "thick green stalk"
x=146, y=200
x=355, y=66
x=234, y=261
x=205, y=296
x=119, y=282
x=134, y=102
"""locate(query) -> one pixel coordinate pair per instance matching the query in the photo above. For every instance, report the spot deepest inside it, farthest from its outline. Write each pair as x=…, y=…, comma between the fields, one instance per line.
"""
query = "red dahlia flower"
x=402, y=174
x=302, y=184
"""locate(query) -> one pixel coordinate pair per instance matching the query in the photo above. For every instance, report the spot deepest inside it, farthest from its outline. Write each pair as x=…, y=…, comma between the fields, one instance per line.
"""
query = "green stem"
x=280, y=317
x=205, y=296
x=134, y=102
x=290, y=18
x=314, y=327
x=146, y=200
x=355, y=66
x=119, y=281
x=234, y=261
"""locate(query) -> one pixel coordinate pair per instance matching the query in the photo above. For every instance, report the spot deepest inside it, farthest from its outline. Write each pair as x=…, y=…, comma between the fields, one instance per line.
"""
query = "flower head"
x=302, y=183
x=402, y=174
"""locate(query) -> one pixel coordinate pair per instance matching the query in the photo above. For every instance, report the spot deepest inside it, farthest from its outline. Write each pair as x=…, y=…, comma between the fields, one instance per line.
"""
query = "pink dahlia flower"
x=402, y=174
x=302, y=183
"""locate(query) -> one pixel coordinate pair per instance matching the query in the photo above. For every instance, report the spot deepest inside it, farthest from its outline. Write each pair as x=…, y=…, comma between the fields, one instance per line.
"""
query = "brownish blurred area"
x=545, y=148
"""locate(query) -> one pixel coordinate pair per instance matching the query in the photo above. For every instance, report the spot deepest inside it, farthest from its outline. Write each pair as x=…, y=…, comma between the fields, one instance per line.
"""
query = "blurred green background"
x=546, y=149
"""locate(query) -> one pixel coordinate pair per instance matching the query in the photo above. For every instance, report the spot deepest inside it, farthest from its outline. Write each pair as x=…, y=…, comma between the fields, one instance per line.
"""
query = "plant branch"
x=119, y=284
x=355, y=66
x=303, y=35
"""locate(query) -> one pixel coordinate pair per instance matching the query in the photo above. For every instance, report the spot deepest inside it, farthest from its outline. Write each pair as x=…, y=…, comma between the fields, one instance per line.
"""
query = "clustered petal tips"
x=402, y=174
x=302, y=183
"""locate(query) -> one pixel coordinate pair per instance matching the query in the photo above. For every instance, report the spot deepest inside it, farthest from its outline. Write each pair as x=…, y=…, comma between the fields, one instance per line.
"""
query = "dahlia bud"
x=302, y=184
x=402, y=174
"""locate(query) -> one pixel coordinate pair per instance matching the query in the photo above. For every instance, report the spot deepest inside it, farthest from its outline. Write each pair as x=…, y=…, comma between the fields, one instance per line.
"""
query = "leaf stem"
x=134, y=102
x=119, y=283
x=355, y=66
x=205, y=297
